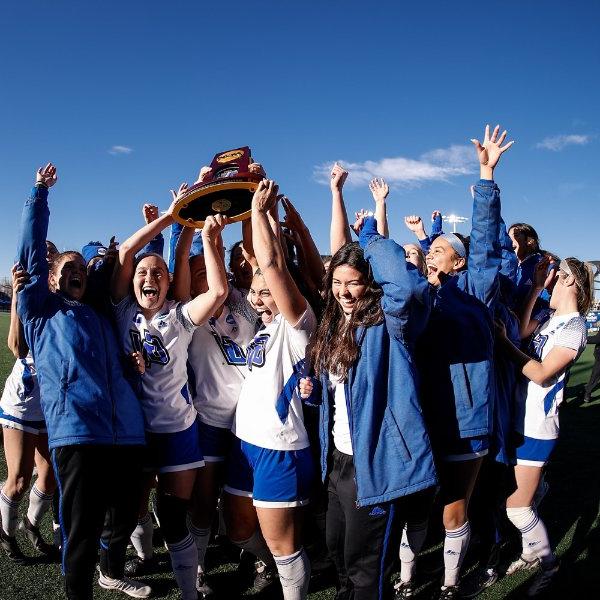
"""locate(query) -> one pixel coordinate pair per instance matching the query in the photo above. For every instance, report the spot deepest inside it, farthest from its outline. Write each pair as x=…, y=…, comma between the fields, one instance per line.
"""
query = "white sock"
x=184, y=559
x=533, y=532
x=256, y=545
x=9, y=511
x=455, y=548
x=413, y=538
x=141, y=538
x=39, y=503
x=294, y=574
x=201, y=537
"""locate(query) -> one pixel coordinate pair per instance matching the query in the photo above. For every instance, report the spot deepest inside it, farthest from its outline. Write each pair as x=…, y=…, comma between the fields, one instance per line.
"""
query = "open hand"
x=46, y=175
x=491, y=150
x=150, y=212
x=380, y=189
x=176, y=195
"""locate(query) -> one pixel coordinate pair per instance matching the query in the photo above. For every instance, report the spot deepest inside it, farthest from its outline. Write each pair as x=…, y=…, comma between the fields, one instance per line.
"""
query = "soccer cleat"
x=204, y=590
x=522, y=564
x=32, y=533
x=137, y=566
x=482, y=579
x=542, y=581
x=132, y=588
x=448, y=592
x=403, y=590
x=265, y=575
x=11, y=548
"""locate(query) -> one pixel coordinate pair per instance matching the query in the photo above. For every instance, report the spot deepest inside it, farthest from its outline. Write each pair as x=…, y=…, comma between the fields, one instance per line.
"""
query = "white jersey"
x=217, y=356
x=21, y=395
x=537, y=409
x=269, y=411
x=164, y=342
x=341, y=423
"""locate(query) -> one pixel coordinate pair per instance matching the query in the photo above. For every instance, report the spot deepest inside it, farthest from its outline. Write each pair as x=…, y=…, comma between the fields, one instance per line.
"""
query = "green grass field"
x=570, y=510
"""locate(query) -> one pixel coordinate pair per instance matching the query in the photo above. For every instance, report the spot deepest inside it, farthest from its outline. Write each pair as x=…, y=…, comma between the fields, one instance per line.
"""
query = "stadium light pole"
x=454, y=219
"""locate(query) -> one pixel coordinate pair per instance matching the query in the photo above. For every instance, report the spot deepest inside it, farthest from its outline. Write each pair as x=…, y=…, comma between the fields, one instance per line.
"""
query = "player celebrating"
x=554, y=347
x=270, y=472
x=162, y=330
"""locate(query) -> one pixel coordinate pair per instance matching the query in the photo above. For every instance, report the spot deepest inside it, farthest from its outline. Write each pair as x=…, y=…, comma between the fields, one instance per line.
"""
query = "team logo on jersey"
x=151, y=347
x=256, y=352
x=234, y=355
x=537, y=345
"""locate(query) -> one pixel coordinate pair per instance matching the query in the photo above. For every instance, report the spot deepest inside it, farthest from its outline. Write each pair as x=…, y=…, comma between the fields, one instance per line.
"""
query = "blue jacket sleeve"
x=485, y=254
x=436, y=227
x=425, y=244
x=155, y=245
x=406, y=295
x=176, y=230
x=510, y=262
x=31, y=253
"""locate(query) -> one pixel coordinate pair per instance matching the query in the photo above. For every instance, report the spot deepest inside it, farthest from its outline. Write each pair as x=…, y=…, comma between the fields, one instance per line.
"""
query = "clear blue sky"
x=304, y=84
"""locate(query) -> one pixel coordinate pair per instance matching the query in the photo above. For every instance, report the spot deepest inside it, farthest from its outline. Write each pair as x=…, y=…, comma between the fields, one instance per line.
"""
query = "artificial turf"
x=570, y=510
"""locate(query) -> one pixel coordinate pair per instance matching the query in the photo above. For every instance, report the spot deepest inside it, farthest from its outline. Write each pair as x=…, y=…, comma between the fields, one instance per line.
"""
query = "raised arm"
x=32, y=245
x=510, y=262
x=202, y=307
x=339, y=234
x=157, y=243
x=380, y=190
x=406, y=296
x=182, y=278
x=269, y=255
x=16, y=336
x=485, y=254
x=123, y=271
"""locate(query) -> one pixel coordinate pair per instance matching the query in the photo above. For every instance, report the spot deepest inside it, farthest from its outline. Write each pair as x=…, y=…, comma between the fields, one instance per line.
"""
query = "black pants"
x=594, y=381
x=364, y=542
x=100, y=489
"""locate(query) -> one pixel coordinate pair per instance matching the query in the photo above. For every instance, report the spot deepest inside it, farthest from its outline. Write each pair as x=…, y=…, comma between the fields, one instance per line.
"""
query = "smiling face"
x=261, y=300
x=442, y=261
x=69, y=276
x=150, y=284
x=348, y=285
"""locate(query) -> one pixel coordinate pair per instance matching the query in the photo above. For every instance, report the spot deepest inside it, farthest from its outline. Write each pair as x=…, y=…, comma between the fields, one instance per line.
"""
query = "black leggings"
x=364, y=542
x=100, y=488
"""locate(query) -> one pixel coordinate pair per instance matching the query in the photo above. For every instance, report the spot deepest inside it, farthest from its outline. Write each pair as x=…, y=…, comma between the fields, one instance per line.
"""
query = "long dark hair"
x=335, y=348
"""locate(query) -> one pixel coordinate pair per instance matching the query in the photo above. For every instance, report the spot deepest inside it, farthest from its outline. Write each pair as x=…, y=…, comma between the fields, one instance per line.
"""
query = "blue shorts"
x=465, y=448
x=272, y=478
x=535, y=453
x=215, y=442
x=34, y=427
x=169, y=452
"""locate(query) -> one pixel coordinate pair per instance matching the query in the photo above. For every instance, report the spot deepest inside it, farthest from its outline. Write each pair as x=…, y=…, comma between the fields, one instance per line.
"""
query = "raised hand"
x=112, y=250
x=491, y=150
x=20, y=278
x=338, y=177
x=435, y=214
x=204, y=172
x=415, y=224
x=176, y=195
x=360, y=217
x=213, y=226
x=292, y=219
x=150, y=212
x=265, y=195
x=380, y=190
x=46, y=175
x=257, y=169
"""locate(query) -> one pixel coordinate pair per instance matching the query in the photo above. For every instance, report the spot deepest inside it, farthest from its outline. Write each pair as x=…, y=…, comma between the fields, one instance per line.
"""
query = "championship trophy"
x=227, y=190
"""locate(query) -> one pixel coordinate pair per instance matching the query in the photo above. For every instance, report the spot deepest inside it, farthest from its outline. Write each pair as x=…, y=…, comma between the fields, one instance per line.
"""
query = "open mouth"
x=347, y=302
x=431, y=270
x=149, y=292
x=76, y=282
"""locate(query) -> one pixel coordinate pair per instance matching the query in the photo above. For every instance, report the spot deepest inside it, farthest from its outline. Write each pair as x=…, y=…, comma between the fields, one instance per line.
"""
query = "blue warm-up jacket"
x=392, y=453
x=84, y=396
x=456, y=351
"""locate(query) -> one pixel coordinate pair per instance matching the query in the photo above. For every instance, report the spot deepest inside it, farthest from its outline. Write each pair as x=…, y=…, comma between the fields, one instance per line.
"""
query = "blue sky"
x=393, y=89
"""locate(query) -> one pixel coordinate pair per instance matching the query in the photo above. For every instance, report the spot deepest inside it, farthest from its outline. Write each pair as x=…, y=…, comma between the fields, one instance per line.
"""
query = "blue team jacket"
x=456, y=351
x=84, y=396
x=392, y=453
